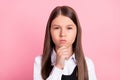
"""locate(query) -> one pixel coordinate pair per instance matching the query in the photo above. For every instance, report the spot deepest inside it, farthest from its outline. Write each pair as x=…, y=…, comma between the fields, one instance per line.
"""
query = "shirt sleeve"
x=91, y=69
x=37, y=68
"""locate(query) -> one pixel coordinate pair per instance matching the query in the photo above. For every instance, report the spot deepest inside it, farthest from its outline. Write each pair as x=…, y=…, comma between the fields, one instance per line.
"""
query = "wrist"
x=59, y=66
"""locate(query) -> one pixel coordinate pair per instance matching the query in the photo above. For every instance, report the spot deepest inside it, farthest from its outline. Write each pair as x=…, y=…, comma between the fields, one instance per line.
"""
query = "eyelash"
x=56, y=28
x=69, y=28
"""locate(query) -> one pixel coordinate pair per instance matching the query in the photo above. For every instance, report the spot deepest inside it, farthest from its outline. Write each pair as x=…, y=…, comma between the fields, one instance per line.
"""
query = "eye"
x=69, y=28
x=56, y=27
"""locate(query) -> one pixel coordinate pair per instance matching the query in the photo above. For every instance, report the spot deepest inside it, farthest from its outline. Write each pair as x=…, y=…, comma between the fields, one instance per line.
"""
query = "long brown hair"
x=82, y=72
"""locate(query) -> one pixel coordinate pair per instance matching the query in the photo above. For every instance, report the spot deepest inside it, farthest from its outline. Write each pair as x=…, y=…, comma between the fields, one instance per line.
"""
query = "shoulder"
x=38, y=60
x=37, y=68
x=91, y=69
x=89, y=62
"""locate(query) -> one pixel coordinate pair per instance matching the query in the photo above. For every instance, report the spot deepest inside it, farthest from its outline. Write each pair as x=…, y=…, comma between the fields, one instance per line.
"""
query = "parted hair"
x=46, y=67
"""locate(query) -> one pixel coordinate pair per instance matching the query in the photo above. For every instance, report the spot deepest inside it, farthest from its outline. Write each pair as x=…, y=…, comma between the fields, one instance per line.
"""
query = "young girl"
x=63, y=57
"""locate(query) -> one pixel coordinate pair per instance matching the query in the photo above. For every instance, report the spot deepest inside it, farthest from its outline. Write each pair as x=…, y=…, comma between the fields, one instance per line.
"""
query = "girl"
x=63, y=57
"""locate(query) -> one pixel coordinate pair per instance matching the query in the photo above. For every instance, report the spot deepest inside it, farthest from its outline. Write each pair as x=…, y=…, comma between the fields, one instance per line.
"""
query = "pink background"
x=22, y=27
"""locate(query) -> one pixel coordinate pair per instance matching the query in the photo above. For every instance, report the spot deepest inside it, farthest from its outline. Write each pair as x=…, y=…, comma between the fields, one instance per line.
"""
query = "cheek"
x=54, y=37
x=72, y=37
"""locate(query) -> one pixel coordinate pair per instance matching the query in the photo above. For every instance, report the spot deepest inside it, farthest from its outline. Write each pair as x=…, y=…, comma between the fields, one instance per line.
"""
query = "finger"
x=62, y=47
x=62, y=51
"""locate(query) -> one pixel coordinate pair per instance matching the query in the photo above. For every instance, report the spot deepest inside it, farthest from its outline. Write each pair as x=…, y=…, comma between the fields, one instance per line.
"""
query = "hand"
x=61, y=56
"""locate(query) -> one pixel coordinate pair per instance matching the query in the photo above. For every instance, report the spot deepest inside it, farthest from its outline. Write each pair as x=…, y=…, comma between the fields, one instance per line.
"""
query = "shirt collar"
x=53, y=57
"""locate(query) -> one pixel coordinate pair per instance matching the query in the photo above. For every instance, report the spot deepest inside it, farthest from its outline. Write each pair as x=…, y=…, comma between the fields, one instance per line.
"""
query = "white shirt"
x=57, y=73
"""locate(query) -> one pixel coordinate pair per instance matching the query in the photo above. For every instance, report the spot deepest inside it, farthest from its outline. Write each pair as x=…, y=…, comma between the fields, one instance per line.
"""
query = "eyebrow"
x=70, y=25
x=59, y=25
x=55, y=25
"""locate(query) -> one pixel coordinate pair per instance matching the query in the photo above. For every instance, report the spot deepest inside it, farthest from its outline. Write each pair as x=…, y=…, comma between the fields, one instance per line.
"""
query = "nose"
x=62, y=33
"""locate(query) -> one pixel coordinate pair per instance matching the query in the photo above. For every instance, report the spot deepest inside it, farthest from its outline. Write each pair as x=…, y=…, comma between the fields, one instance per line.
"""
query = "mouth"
x=62, y=41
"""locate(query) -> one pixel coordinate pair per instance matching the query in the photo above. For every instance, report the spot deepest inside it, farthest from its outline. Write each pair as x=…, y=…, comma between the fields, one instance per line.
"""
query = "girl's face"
x=63, y=31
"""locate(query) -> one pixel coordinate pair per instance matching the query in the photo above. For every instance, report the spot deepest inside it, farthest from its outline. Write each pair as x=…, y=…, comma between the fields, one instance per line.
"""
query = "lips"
x=62, y=41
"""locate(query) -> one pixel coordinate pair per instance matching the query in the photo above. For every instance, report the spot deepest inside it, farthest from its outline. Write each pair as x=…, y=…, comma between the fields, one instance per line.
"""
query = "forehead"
x=62, y=20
